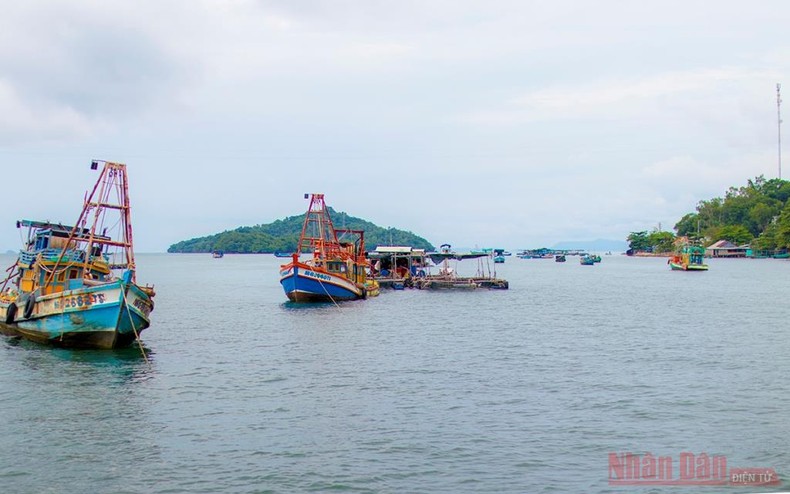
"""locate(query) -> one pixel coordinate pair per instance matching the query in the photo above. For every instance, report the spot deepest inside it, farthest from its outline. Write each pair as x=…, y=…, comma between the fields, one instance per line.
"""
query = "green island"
x=283, y=235
x=756, y=215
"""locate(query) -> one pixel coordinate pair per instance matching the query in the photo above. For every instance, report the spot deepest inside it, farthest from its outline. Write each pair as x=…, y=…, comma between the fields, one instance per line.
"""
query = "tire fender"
x=29, y=306
x=10, y=313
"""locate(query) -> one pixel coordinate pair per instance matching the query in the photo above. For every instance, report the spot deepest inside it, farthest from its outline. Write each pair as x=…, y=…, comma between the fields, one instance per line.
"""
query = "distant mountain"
x=283, y=235
x=599, y=245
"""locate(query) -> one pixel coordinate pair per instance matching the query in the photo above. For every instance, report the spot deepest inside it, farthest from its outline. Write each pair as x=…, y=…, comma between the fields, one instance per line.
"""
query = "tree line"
x=757, y=214
x=283, y=236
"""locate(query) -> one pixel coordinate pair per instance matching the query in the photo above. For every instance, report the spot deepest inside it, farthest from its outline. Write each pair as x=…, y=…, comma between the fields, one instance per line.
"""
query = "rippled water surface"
x=526, y=390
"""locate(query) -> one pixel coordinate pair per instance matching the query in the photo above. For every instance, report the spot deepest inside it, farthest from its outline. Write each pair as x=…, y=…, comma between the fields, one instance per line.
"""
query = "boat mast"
x=112, y=177
x=318, y=232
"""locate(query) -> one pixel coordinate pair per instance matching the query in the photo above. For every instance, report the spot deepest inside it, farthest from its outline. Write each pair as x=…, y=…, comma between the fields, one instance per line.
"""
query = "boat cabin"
x=55, y=261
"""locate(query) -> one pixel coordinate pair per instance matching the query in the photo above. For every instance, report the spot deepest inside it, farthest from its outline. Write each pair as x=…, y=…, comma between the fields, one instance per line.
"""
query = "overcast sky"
x=477, y=123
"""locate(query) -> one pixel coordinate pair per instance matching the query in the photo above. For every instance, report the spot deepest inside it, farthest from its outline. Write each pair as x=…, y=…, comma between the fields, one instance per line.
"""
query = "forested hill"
x=757, y=215
x=283, y=235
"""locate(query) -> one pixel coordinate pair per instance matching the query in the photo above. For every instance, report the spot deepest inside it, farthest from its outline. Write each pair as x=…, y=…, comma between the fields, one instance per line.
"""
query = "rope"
x=55, y=268
x=327, y=293
x=131, y=322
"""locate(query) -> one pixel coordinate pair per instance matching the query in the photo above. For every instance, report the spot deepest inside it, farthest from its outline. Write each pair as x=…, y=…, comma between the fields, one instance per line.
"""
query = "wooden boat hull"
x=105, y=316
x=687, y=267
x=372, y=288
x=447, y=285
x=444, y=283
x=303, y=283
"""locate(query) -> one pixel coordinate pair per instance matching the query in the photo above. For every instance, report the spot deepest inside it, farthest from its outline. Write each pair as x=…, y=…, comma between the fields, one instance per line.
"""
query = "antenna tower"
x=779, y=125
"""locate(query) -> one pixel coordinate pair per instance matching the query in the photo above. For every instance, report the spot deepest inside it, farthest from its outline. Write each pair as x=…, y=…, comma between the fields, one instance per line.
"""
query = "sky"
x=510, y=123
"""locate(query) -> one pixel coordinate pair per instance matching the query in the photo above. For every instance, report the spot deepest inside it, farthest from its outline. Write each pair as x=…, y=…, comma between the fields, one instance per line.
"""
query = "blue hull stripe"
x=293, y=284
x=109, y=321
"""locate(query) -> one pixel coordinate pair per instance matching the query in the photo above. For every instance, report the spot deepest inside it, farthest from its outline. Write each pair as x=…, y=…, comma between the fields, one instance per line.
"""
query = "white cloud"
x=526, y=119
x=621, y=97
x=43, y=123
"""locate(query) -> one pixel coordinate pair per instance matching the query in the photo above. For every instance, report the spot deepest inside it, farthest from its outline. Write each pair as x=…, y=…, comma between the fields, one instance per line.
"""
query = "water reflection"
x=122, y=364
x=307, y=307
x=65, y=406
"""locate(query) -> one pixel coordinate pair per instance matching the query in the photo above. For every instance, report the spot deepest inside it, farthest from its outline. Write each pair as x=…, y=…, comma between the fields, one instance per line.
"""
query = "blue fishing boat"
x=75, y=286
x=587, y=260
x=217, y=254
x=283, y=254
x=337, y=269
x=499, y=256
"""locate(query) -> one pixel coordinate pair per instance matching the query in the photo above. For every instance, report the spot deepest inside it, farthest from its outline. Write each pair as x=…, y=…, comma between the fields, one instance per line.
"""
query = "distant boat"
x=559, y=258
x=336, y=271
x=499, y=256
x=586, y=261
x=283, y=254
x=542, y=253
x=217, y=254
x=75, y=286
x=595, y=257
x=688, y=258
x=757, y=254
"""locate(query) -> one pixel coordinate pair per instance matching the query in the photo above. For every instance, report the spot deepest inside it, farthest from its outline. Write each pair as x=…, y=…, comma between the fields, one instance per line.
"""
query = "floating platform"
x=457, y=283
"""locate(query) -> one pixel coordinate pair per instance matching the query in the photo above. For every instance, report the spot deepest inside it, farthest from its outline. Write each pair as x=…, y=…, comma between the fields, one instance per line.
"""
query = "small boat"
x=217, y=254
x=559, y=258
x=688, y=258
x=586, y=261
x=336, y=270
x=283, y=254
x=595, y=257
x=757, y=254
x=75, y=286
x=372, y=288
x=499, y=256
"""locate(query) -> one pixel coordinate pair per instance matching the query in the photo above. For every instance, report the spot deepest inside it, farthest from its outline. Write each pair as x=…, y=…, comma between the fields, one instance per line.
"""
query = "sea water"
x=525, y=390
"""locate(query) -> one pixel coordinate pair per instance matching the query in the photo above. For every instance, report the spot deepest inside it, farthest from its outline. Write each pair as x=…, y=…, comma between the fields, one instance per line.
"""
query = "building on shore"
x=725, y=248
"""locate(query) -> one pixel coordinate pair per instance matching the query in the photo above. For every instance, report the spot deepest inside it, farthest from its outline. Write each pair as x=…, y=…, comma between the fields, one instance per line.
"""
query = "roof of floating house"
x=394, y=249
x=724, y=245
x=383, y=251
